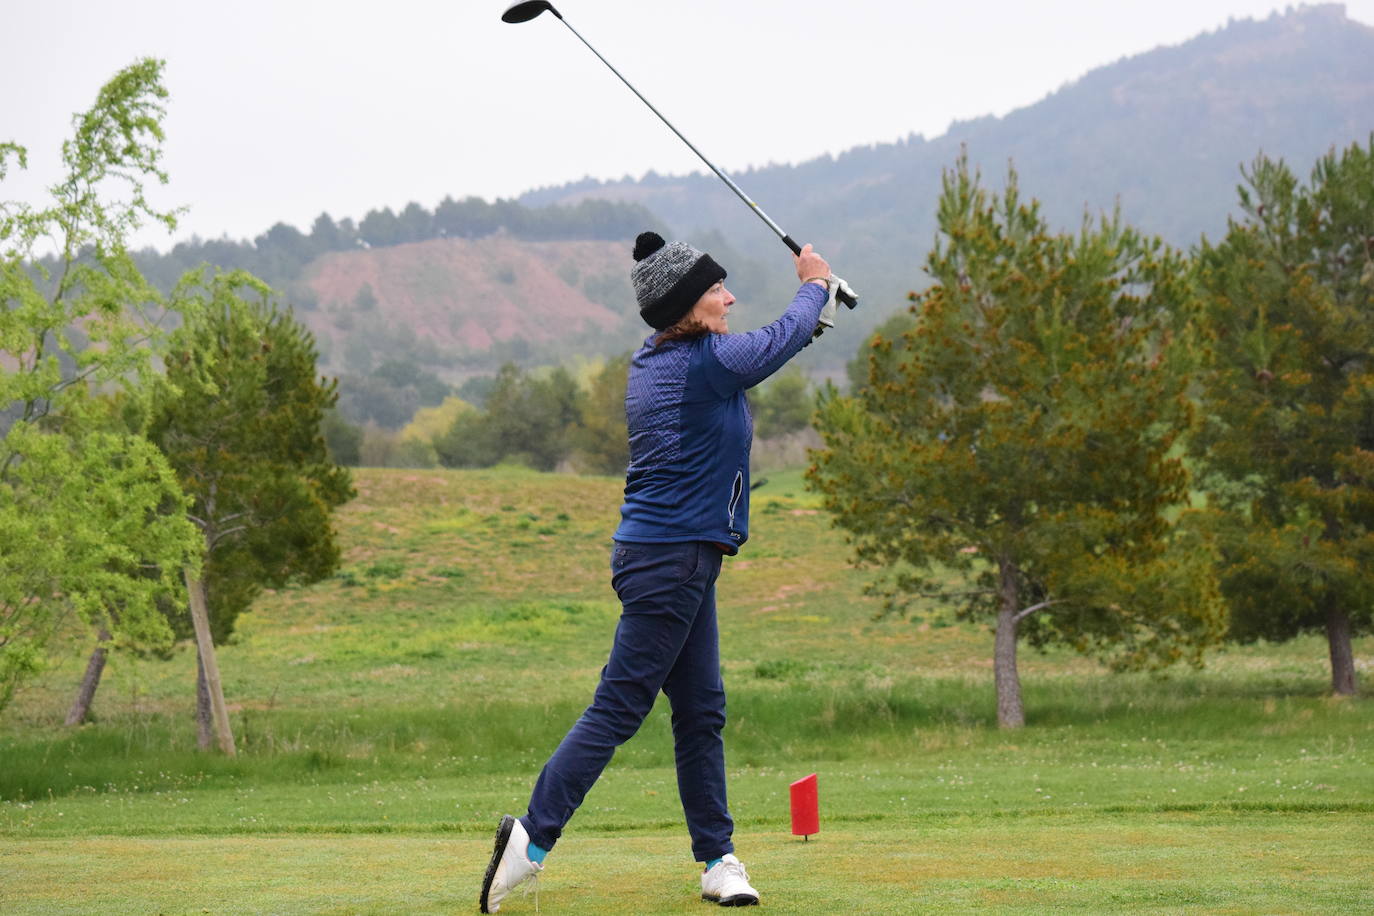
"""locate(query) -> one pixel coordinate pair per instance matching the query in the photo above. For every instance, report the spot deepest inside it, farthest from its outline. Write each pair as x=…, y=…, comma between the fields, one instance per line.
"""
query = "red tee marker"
x=806, y=809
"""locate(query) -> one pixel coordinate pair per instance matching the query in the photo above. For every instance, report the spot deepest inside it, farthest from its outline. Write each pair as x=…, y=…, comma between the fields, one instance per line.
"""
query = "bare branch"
x=214, y=541
x=1026, y=612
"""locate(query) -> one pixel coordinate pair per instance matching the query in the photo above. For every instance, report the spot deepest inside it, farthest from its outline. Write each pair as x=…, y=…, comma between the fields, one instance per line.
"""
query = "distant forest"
x=278, y=255
x=404, y=379
x=1162, y=136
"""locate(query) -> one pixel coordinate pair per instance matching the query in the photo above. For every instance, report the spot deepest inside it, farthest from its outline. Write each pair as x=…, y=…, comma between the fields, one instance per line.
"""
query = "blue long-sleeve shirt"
x=691, y=430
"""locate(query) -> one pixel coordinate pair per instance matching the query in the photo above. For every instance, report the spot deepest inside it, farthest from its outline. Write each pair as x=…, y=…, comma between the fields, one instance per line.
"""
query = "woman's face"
x=713, y=307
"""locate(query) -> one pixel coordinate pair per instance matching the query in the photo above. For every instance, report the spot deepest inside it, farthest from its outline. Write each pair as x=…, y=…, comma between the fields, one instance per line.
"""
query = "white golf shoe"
x=728, y=884
x=510, y=865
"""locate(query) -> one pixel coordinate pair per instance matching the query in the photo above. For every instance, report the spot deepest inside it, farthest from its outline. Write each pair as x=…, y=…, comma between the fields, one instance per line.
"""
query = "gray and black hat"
x=670, y=278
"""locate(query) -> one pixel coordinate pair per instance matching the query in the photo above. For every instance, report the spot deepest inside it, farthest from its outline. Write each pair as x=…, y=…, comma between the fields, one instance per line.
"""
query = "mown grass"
x=388, y=716
x=1178, y=863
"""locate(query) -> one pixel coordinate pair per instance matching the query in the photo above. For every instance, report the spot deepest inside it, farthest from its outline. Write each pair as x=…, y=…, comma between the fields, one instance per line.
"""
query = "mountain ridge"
x=1162, y=134
x=1318, y=63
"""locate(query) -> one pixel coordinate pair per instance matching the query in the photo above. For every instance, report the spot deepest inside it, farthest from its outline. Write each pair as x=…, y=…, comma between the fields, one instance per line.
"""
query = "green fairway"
x=1195, y=862
x=386, y=718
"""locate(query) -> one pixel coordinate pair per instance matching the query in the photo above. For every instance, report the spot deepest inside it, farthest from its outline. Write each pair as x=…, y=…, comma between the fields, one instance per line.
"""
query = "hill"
x=472, y=285
x=1163, y=133
x=462, y=302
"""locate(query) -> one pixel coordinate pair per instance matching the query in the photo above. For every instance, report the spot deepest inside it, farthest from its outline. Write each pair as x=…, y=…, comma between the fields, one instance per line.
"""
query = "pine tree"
x=241, y=425
x=1289, y=437
x=1022, y=435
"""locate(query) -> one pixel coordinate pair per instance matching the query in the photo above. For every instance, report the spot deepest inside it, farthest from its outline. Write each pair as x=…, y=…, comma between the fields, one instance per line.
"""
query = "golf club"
x=526, y=10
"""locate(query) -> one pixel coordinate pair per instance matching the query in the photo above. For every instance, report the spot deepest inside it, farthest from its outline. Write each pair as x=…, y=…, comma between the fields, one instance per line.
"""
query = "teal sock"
x=536, y=854
x=713, y=863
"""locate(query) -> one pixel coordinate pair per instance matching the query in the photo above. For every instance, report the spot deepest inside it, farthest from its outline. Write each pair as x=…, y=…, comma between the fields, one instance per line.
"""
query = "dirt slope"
x=466, y=295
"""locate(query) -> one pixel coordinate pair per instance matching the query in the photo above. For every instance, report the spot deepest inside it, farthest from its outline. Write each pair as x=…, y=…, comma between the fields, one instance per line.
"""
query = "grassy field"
x=388, y=716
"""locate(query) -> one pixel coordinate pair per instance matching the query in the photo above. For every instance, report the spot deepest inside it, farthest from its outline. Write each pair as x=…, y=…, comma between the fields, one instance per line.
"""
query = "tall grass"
x=772, y=722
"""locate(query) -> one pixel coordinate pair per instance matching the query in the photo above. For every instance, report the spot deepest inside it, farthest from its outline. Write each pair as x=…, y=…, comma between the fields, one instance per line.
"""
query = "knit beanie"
x=670, y=278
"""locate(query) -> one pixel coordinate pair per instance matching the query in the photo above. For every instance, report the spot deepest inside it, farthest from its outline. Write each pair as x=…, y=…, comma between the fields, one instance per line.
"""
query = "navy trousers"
x=666, y=640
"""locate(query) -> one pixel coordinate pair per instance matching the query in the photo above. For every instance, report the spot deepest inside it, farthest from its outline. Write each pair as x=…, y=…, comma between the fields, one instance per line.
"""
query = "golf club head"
x=525, y=10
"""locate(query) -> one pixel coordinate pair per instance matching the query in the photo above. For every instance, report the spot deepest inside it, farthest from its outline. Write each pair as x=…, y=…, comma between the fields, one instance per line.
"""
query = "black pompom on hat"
x=669, y=278
x=646, y=243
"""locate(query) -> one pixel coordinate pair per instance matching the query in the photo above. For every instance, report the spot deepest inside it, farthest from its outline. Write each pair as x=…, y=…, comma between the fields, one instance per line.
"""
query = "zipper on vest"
x=735, y=492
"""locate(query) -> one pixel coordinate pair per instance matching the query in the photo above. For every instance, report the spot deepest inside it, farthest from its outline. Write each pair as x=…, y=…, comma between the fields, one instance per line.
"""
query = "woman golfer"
x=686, y=506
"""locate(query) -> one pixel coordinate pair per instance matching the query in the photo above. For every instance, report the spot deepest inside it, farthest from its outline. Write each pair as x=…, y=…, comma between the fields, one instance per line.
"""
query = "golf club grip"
x=848, y=300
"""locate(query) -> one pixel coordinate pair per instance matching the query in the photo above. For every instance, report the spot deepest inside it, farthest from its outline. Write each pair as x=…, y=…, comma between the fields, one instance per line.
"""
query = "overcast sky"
x=281, y=109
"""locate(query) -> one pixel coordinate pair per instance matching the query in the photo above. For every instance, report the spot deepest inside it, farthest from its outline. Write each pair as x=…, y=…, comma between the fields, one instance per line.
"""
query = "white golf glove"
x=827, y=319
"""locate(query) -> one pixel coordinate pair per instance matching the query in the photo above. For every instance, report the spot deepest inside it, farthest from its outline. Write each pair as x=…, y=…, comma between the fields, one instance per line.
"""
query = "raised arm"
x=744, y=360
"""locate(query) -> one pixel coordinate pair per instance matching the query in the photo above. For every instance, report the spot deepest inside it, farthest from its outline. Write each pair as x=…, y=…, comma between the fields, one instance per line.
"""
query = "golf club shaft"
x=787, y=239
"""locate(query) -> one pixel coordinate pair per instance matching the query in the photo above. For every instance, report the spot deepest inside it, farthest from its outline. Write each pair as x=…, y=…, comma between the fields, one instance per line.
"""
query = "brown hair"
x=687, y=328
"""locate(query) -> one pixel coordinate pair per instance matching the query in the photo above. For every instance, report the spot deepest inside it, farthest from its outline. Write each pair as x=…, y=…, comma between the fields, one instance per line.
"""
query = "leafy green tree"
x=414, y=444
x=528, y=420
x=367, y=398
x=288, y=244
x=342, y=440
x=390, y=394
x=83, y=523
x=782, y=405
x=326, y=235
x=601, y=438
x=430, y=390
x=380, y=228
x=477, y=389
x=414, y=224
x=241, y=425
x=471, y=442
x=471, y=217
x=1289, y=437
x=1022, y=436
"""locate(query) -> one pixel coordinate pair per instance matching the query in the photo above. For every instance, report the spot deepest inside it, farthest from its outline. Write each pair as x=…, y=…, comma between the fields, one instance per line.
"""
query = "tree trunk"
x=1342, y=654
x=200, y=617
x=1010, y=713
x=205, y=735
x=85, y=694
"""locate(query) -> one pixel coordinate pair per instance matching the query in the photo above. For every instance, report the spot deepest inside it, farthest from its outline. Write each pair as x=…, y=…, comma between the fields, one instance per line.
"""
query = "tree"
x=326, y=235
x=370, y=398
x=1289, y=437
x=528, y=420
x=477, y=389
x=380, y=228
x=470, y=218
x=415, y=224
x=84, y=526
x=600, y=437
x=415, y=441
x=471, y=442
x=892, y=328
x=287, y=243
x=1023, y=434
x=342, y=440
x=782, y=405
x=242, y=429
x=430, y=390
